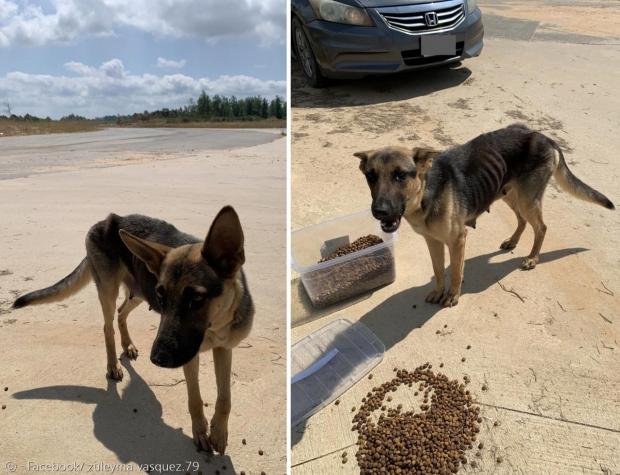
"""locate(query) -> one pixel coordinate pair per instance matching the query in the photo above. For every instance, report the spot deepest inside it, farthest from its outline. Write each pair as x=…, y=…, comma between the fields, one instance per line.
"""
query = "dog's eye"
x=400, y=175
x=371, y=176
x=194, y=298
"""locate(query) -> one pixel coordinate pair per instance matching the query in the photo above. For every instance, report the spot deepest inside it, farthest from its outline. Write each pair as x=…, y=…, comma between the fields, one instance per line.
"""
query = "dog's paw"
x=201, y=436
x=115, y=372
x=450, y=299
x=219, y=436
x=434, y=296
x=131, y=351
x=529, y=263
x=508, y=244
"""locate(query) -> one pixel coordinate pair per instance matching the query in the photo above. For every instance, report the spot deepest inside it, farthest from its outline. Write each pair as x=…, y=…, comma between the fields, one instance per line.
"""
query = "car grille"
x=413, y=57
x=419, y=18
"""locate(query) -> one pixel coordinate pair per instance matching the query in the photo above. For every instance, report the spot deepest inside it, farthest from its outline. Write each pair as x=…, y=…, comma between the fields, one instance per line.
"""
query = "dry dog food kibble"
x=432, y=440
x=347, y=279
x=359, y=244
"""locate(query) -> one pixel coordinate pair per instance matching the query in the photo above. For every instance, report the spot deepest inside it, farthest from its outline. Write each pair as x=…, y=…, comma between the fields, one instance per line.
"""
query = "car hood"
x=390, y=3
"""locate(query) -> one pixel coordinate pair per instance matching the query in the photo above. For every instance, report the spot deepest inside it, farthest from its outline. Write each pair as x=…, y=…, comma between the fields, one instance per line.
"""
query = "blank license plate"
x=438, y=45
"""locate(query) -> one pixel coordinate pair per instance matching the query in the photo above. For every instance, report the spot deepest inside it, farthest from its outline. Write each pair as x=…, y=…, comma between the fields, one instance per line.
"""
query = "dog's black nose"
x=162, y=359
x=381, y=210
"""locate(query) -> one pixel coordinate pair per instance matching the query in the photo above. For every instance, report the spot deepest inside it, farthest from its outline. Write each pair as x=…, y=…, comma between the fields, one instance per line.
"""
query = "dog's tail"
x=573, y=185
x=68, y=286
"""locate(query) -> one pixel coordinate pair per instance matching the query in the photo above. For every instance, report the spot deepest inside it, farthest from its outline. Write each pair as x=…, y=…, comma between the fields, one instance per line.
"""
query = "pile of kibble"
x=433, y=440
x=357, y=245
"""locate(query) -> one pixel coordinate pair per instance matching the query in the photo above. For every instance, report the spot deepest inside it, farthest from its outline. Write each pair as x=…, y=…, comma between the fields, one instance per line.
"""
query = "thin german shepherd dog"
x=198, y=288
x=440, y=193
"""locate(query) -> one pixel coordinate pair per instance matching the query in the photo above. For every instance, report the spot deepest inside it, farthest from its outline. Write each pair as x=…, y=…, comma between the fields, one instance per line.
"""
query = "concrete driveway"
x=545, y=342
x=57, y=405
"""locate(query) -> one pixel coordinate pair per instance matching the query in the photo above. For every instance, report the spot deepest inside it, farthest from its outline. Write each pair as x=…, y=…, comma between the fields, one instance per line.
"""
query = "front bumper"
x=345, y=51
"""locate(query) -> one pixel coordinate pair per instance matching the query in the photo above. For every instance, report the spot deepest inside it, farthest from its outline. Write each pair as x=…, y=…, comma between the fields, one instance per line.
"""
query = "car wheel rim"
x=303, y=49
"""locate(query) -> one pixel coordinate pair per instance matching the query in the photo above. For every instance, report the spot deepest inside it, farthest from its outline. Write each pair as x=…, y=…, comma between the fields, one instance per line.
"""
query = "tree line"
x=208, y=108
x=216, y=108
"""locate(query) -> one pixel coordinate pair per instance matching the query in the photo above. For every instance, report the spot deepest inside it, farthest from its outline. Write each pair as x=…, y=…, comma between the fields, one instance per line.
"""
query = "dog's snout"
x=381, y=209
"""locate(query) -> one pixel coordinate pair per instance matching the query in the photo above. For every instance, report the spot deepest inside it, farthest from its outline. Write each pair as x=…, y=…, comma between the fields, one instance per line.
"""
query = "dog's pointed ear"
x=223, y=247
x=149, y=252
x=363, y=156
x=423, y=158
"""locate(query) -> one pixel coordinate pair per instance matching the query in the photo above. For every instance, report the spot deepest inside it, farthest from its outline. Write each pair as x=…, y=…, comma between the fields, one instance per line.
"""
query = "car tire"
x=309, y=66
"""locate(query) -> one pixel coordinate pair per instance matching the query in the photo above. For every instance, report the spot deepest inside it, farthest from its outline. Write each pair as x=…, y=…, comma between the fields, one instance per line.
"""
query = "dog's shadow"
x=131, y=425
x=394, y=318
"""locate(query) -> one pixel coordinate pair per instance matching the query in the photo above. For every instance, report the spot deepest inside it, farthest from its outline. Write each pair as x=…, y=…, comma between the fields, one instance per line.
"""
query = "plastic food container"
x=328, y=362
x=347, y=276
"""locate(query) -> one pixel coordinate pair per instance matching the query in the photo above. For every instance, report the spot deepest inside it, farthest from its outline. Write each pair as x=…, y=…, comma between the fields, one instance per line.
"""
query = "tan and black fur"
x=440, y=193
x=198, y=288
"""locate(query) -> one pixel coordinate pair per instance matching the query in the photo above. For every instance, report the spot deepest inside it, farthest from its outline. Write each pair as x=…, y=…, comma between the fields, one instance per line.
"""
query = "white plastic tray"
x=328, y=362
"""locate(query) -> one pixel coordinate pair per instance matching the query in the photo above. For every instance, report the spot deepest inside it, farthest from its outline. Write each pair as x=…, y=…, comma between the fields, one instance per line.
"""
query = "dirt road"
x=546, y=342
x=59, y=406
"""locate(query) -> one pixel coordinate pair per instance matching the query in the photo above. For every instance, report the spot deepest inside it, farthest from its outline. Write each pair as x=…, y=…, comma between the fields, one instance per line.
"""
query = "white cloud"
x=110, y=89
x=170, y=63
x=23, y=22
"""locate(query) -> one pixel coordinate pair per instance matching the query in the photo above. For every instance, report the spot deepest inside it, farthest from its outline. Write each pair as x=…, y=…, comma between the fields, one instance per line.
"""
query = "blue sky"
x=99, y=57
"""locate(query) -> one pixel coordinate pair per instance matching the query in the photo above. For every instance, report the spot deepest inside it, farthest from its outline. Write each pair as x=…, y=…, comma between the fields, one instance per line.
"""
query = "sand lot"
x=59, y=406
x=550, y=351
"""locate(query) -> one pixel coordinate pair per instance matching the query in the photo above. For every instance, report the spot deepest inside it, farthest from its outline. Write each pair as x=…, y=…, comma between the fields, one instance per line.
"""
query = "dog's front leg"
x=457, y=262
x=437, y=251
x=222, y=359
x=194, y=401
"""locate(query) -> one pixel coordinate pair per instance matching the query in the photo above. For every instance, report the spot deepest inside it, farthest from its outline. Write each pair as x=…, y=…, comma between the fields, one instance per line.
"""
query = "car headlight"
x=336, y=12
x=471, y=6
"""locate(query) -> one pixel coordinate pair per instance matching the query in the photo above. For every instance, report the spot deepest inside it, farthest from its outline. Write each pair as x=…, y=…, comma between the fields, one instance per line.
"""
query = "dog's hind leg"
x=222, y=360
x=533, y=215
x=129, y=304
x=513, y=240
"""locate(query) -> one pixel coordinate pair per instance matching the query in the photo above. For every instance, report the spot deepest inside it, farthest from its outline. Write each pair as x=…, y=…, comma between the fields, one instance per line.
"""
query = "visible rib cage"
x=485, y=175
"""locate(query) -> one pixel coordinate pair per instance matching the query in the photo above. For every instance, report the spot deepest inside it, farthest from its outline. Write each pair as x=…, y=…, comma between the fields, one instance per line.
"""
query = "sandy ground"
x=549, y=352
x=59, y=406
